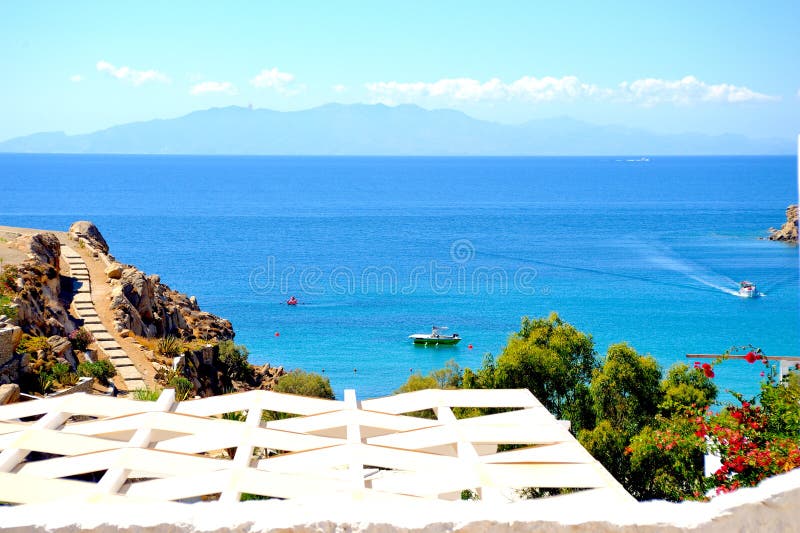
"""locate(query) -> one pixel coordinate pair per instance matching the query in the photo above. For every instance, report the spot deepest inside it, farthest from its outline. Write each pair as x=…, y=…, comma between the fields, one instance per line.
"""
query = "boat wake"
x=666, y=259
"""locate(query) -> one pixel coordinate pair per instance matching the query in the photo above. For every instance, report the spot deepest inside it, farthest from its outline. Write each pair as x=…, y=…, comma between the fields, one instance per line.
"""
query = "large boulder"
x=43, y=248
x=9, y=393
x=88, y=231
x=114, y=271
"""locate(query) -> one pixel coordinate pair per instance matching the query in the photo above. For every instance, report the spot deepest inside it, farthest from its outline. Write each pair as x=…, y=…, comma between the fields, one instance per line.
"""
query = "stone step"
x=120, y=362
x=115, y=350
x=83, y=298
x=129, y=373
x=135, y=384
x=88, y=313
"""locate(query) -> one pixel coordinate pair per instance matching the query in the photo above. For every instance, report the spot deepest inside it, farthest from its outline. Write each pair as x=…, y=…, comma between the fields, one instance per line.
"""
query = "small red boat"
x=291, y=301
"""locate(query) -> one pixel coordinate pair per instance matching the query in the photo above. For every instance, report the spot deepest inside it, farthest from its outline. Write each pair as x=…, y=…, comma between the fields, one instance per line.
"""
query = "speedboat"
x=435, y=337
x=291, y=301
x=747, y=289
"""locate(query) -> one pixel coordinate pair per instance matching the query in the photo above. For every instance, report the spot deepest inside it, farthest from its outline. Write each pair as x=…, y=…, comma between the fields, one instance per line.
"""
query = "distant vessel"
x=640, y=160
x=291, y=301
x=747, y=290
x=435, y=337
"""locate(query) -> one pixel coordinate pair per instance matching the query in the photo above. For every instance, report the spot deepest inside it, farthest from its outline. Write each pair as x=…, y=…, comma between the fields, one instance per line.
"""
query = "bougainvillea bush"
x=758, y=437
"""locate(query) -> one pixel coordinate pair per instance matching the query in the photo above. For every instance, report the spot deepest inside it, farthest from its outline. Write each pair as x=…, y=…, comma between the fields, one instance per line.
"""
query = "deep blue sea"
x=378, y=248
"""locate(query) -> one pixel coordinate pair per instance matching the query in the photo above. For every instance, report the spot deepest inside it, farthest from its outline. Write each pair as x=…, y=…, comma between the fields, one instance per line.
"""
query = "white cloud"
x=213, y=87
x=339, y=88
x=76, y=78
x=688, y=90
x=281, y=82
x=136, y=77
x=647, y=92
x=527, y=88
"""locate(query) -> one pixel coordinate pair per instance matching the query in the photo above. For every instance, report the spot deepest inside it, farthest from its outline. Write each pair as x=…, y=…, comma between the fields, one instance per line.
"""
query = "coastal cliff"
x=788, y=231
x=163, y=333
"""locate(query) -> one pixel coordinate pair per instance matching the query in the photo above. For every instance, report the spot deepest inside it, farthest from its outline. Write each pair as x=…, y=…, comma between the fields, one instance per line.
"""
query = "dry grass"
x=149, y=344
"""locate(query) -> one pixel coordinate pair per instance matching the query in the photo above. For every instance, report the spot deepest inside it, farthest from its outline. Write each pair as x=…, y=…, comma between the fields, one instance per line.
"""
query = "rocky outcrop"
x=788, y=231
x=209, y=376
x=149, y=308
x=87, y=231
x=37, y=286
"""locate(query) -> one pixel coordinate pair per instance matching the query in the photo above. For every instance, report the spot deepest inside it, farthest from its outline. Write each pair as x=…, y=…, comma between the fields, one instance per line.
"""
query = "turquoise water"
x=378, y=248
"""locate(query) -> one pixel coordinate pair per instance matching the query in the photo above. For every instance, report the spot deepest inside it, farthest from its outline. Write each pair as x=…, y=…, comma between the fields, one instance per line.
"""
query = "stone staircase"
x=85, y=310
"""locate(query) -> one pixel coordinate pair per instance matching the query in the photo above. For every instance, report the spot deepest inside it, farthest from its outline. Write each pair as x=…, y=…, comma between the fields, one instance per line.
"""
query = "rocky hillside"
x=35, y=285
x=788, y=231
x=189, y=349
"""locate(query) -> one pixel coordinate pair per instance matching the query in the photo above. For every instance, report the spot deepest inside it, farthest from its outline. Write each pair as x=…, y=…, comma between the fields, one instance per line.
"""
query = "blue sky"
x=711, y=67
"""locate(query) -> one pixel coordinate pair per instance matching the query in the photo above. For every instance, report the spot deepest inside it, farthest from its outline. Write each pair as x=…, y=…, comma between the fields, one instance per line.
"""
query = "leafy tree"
x=417, y=382
x=666, y=461
x=626, y=389
x=305, y=384
x=449, y=377
x=607, y=444
x=686, y=389
x=555, y=362
x=625, y=394
x=781, y=404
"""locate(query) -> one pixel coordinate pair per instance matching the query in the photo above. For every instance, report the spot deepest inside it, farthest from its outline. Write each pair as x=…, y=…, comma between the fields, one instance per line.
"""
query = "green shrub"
x=305, y=384
x=8, y=280
x=146, y=395
x=6, y=308
x=31, y=344
x=64, y=375
x=183, y=387
x=101, y=370
x=234, y=357
x=80, y=339
x=169, y=346
x=46, y=382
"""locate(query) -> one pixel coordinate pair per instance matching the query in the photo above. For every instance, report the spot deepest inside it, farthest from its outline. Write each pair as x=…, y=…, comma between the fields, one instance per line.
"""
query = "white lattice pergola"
x=361, y=451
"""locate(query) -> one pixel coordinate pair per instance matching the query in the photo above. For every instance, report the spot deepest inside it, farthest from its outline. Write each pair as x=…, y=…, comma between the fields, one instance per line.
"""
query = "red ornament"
x=277, y=334
x=469, y=346
x=750, y=357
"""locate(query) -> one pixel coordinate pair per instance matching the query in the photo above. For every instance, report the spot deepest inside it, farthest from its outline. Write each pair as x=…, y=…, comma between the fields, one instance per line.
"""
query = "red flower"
x=762, y=374
x=750, y=357
x=706, y=366
x=697, y=364
x=708, y=372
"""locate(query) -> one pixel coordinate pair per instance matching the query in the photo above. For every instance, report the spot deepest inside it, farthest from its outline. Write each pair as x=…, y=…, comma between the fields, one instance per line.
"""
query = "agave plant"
x=169, y=347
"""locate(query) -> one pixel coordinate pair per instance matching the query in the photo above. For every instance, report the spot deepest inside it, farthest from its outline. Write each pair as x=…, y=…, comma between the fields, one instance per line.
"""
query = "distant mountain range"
x=361, y=129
